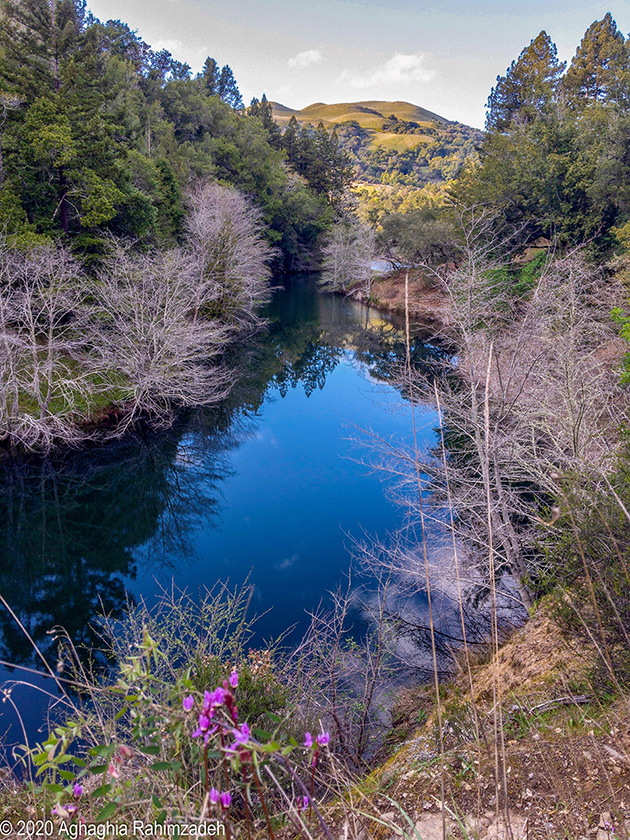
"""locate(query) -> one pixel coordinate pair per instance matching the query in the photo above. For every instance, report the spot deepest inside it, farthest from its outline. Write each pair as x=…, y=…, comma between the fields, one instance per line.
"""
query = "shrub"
x=169, y=737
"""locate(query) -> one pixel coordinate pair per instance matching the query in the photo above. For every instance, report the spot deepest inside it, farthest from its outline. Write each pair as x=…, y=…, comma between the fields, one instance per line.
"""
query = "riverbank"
x=539, y=743
x=535, y=742
x=133, y=340
x=429, y=308
x=530, y=721
x=530, y=749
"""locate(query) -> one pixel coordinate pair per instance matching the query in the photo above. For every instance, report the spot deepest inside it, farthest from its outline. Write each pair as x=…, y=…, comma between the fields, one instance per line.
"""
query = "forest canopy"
x=555, y=156
x=553, y=162
x=101, y=134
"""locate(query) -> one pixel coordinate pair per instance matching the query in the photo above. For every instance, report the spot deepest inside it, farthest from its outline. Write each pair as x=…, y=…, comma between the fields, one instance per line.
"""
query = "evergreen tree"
x=36, y=38
x=116, y=39
x=528, y=87
x=262, y=109
x=291, y=141
x=99, y=132
x=599, y=70
x=210, y=76
x=228, y=90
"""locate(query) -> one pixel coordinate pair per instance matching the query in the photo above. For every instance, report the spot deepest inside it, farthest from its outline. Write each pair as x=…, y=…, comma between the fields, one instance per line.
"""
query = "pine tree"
x=37, y=41
x=599, y=70
x=118, y=40
x=528, y=87
x=262, y=109
x=210, y=76
x=36, y=38
x=291, y=141
x=228, y=90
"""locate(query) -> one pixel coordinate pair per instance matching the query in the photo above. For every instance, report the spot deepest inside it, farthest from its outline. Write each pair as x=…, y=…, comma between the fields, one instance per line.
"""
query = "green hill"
x=390, y=142
x=370, y=114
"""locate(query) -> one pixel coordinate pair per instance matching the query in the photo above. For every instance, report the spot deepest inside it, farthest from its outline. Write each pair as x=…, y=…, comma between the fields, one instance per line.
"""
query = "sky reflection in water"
x=271, y=485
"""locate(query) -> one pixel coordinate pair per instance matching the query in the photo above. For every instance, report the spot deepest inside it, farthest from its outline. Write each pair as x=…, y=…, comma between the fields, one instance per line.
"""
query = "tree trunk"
x=63, y=203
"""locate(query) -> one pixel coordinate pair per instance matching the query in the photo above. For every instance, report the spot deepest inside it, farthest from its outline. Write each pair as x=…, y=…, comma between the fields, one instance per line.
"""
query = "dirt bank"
x=528, y=751
x=429, y=308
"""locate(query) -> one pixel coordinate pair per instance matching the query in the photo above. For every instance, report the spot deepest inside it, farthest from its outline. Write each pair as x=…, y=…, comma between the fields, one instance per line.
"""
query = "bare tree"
x=350, y=671
x=347, y=257
x=43, y=315
x=228, y=254
x=149, y=337
x=528, y=394
x=154, y=351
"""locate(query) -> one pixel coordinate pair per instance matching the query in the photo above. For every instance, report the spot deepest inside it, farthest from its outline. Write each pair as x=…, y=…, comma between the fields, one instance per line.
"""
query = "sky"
x=443, y=55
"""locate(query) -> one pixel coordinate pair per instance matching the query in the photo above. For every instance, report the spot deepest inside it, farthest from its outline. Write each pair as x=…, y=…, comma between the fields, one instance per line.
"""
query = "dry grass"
x=397, y=142
x=565, y=766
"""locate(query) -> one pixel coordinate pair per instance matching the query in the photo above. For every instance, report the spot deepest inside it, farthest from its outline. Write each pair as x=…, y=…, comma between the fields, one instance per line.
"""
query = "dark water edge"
x=271, y=486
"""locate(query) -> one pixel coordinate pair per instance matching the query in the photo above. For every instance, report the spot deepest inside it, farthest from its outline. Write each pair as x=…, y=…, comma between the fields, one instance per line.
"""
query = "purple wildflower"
x=302, y=803
x=242, y=734
x=188, y=703
x=308, y=740
x=204, y=729
x=233, y=679
x=323, y=739
x=214, y=796
x=226, y=799
x=214, y=699
x=77, y=790
x=204, y=725
x=64, y=810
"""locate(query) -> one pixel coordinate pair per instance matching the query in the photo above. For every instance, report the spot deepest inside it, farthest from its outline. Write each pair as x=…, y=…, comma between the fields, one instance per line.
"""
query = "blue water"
x=270, y=487
x=297, y=493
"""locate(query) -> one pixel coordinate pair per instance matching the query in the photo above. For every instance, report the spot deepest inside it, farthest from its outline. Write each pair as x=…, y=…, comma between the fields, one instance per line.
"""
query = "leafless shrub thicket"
x=529, y=395
x=228, y=255
x=351, y=671
x=44, y=332
x=148, y=341
x=347, y=257
x=143, y=336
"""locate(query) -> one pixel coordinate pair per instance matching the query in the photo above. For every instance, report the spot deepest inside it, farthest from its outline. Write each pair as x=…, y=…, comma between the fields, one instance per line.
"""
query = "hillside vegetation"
x=101, y=136
x=528, y=251
x=367, y=113
x=393, y=143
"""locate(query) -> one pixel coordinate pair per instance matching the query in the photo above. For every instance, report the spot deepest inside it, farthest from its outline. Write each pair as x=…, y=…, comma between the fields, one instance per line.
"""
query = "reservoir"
x=270, y=488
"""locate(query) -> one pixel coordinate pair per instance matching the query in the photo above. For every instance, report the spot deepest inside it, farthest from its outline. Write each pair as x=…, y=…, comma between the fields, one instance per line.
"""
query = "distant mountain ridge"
x=373, y=113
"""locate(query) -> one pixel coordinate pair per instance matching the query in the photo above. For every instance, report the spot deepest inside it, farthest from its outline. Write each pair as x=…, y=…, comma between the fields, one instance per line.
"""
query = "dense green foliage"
x=389, y=143
x=100, y=133
x=555, y=158
x=438, y=154
x=554, y=161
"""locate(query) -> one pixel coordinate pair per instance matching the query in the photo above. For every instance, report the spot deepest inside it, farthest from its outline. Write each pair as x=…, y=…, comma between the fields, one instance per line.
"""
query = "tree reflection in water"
x=71, y=530
x=75, y=528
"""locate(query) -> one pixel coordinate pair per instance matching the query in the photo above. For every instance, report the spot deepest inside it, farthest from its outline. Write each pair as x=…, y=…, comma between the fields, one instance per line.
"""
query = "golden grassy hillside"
x=389, y=142
x=371, y=114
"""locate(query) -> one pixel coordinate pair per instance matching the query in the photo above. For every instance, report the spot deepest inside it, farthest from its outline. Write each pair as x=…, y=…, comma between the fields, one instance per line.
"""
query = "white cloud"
x=304, y=59
x=167, y=44
x=399, y=68
x=283, y=91
x=287, y=563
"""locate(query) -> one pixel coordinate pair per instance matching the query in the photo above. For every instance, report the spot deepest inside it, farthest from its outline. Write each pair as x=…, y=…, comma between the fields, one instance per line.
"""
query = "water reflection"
x=84, y=534
x=71, y=531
